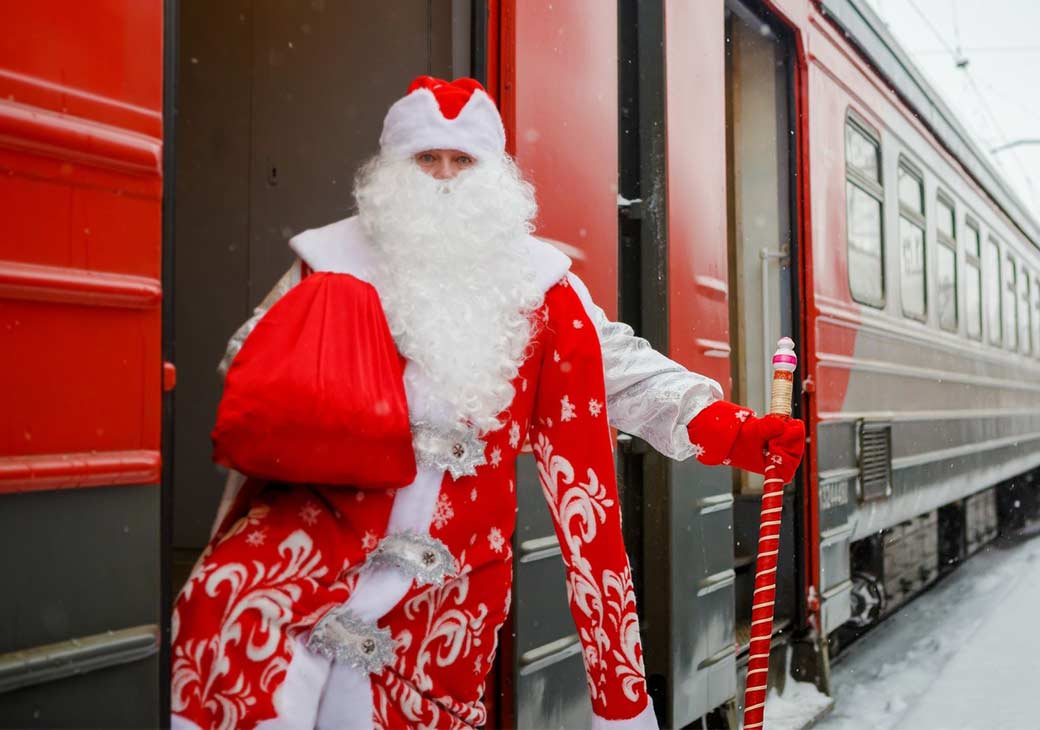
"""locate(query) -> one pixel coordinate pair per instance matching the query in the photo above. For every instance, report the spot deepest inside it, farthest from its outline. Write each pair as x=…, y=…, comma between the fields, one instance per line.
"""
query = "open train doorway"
x=277, y=104
x=762, y=257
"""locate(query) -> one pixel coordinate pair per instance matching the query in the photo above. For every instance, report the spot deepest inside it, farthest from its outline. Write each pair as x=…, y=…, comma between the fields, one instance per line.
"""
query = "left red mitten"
x=725, y=433
x=316, y=394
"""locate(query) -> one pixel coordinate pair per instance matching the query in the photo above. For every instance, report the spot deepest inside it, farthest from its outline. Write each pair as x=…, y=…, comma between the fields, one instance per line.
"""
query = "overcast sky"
x=997, y=94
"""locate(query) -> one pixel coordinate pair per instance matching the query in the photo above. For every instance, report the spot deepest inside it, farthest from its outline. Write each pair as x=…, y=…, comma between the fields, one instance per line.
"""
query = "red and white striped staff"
x=784, y=363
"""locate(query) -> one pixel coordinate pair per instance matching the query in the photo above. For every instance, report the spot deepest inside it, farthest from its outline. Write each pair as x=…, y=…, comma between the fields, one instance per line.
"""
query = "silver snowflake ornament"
x=419, y=555
x=342, y=637
x=458, y=451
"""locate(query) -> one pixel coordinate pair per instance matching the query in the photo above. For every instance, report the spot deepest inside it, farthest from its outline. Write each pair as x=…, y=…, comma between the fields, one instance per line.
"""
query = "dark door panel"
x=279, y=103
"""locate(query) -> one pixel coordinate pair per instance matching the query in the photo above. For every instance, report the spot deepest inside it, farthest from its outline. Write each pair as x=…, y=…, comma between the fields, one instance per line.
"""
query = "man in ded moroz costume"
x=374, y=406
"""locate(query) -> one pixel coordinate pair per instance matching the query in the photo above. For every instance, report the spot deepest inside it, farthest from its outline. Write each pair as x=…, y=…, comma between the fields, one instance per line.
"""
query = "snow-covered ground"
x=965, y=656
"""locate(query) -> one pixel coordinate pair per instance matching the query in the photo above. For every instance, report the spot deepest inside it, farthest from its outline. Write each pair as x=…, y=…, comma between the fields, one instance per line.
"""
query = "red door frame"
x=794, y=15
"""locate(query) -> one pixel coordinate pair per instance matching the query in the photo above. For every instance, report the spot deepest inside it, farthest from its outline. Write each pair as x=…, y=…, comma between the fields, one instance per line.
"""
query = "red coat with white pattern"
x=297, y=553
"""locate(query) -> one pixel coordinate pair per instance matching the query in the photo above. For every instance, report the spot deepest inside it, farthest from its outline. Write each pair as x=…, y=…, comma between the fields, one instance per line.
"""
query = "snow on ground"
x=965, y=656
x=799, y=705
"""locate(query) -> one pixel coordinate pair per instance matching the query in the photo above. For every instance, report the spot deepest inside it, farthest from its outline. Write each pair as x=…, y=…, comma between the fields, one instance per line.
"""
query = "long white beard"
x=456, y=286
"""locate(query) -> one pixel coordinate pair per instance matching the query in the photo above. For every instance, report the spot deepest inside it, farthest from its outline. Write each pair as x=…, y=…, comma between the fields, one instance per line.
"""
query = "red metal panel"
x=832, y=315
x=556, y=73
x=52, y=133
x=99, y=60
x=696, y=162
x=65, y=471
x=75, y=286
x=493, y=68
x=80, y=243
x=76, y=215
x=559, y=101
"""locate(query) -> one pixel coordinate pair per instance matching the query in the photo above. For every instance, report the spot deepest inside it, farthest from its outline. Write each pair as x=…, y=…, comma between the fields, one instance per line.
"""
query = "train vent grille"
x=875, y=460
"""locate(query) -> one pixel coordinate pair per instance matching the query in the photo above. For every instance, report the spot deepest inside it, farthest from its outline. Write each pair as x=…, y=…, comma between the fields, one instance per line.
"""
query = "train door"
x=81, y=373
x=279, y=103
x=760, y=153
x=674, y=290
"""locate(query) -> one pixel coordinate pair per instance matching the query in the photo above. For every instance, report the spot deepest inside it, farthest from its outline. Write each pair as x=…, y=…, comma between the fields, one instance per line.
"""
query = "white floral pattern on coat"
x=576, y=472
x=579, y=510
x=270, y=590
x=449, y=626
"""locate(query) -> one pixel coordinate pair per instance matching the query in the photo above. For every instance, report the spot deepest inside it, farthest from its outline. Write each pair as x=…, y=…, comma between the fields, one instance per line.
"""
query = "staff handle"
x=763, y=599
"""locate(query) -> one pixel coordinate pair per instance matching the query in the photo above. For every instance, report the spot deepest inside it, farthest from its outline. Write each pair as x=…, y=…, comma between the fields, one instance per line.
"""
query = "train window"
x=911, y=191
x=946, y=265
x=993, y=284
x=1025, y=332
x=911, y=238
x=973, y=282
x=863, y=220
x=1010, y=310
x=862, y=153
x=945, y=221
x=865, y=256
x=974, y=243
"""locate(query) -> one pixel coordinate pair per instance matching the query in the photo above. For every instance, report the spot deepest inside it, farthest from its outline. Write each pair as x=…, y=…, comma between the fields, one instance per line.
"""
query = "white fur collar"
x=343, y=247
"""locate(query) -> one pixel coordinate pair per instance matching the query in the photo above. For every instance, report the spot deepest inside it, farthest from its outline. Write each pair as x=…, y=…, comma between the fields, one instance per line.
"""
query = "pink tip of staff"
x=785, y=357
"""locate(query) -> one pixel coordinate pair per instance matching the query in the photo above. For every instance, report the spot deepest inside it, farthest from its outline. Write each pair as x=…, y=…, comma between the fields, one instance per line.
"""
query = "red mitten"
x=725, y=433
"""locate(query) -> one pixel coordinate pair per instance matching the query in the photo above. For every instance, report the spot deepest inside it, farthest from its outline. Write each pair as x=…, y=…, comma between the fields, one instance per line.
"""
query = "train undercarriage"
x=899, y=563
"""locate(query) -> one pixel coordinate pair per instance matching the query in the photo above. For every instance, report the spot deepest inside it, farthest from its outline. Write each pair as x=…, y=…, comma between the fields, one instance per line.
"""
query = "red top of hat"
x=451, y=96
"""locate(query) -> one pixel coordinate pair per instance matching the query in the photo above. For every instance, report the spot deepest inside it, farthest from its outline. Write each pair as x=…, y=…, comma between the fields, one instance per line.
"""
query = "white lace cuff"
x=648, y=395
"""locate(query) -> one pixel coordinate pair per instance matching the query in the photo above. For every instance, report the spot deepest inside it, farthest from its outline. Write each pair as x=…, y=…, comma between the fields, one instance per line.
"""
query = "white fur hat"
x=438, y=114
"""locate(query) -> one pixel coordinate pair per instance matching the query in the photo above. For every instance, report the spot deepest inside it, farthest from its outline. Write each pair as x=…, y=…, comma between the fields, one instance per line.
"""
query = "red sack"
x=316, y=394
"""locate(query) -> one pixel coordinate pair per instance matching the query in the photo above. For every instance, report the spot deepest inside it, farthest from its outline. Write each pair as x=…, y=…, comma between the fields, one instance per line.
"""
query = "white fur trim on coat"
x=415, y=123
x=645, y=720
x=344, y=247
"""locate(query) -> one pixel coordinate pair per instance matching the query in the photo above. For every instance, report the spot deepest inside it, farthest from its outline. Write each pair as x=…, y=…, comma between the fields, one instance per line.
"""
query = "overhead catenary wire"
x=978, y=49
x=962, y=63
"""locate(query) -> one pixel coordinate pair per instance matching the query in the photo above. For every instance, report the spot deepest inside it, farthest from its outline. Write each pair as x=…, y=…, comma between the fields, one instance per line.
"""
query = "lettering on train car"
x=835, y=494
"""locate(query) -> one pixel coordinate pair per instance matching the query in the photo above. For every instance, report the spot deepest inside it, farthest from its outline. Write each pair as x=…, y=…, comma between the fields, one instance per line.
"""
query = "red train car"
x=81, y=376
x=722, y=172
